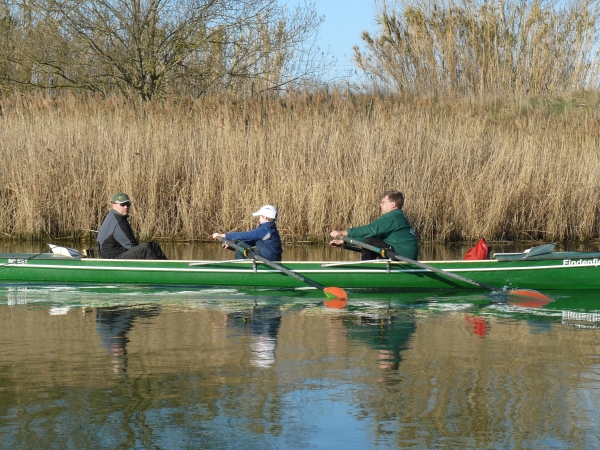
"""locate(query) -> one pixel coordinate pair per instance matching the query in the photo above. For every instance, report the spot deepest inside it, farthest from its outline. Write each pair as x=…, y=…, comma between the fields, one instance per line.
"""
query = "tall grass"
x=503, y=169
x=478, y=46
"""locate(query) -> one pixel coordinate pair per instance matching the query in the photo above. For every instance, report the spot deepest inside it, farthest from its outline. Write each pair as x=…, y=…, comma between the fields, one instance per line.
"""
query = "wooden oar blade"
x=529, y=294
x=335, y=293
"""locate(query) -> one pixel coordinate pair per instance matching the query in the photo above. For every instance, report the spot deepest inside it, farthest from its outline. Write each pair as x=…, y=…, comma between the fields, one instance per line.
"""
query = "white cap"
x=268, y=211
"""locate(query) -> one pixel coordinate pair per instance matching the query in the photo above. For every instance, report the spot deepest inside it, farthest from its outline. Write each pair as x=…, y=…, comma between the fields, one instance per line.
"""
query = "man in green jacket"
x=390, y=231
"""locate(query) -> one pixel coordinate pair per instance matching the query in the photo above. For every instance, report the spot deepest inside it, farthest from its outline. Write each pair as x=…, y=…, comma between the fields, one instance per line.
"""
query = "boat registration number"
x=17, y=261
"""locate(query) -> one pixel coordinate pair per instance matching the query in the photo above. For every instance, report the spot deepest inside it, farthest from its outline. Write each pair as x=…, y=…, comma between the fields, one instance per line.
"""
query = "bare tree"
x=149, y=48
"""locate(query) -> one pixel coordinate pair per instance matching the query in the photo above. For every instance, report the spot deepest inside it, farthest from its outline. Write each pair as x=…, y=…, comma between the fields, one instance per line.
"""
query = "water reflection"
x=224, y=369
x=113, y=325
x=479, y=325
x=262, y=324
x=387, y=334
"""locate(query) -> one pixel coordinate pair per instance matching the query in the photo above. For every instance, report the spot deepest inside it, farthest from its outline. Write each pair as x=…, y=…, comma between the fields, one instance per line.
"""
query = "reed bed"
x=512, y=169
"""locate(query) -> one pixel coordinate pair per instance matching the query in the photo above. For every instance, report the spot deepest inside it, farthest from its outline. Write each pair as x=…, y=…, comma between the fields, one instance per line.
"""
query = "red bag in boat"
x=480, y=251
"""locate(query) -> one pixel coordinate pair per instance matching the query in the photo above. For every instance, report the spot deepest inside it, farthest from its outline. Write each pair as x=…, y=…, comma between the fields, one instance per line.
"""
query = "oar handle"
x=385, y=253
x=248, y=253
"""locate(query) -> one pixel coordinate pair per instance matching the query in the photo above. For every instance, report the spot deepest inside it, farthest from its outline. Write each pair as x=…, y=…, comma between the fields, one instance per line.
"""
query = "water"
x=132, y=367
x=299, y=252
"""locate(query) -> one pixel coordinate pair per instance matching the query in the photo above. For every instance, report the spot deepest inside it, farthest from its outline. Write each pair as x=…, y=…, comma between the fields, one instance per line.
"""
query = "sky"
x=345, y=20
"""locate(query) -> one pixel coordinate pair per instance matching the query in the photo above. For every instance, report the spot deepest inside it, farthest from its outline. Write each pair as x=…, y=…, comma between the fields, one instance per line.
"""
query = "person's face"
x=386, y=205
x=122, y=208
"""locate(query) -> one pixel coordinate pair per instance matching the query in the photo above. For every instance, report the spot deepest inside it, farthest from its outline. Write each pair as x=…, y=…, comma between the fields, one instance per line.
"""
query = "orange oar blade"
x=529, y=303
x=336, y=303
x=335, y=292
x=529, y=294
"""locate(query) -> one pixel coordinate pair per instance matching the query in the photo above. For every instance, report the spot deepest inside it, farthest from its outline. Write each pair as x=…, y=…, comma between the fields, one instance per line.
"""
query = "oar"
x=330, y=292
x=390, y=254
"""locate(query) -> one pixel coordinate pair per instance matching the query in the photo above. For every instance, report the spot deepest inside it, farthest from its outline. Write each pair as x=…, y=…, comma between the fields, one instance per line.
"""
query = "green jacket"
x=392, y=228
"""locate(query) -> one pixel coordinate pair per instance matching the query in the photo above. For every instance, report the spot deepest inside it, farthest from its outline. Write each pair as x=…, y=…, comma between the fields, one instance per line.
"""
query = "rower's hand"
x=337, y=243
x=336, y=234
x=219, y=236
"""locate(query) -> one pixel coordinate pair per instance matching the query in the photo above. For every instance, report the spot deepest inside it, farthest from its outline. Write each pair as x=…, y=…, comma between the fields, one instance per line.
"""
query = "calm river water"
x=154, y=368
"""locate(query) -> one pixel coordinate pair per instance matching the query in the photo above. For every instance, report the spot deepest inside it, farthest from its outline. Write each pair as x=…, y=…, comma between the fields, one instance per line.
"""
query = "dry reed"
x=512, y=169
x=474, y=47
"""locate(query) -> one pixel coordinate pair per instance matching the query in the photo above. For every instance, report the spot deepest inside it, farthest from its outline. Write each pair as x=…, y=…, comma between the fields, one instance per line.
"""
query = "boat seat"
x=540, y=250
x=545, y=256
x=529, y=253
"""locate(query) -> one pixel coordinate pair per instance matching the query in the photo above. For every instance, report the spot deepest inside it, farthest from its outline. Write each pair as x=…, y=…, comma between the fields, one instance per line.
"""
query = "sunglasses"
x=125, y=204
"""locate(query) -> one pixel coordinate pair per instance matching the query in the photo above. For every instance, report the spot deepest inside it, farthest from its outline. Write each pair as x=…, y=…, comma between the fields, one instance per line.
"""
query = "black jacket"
x=115, y=235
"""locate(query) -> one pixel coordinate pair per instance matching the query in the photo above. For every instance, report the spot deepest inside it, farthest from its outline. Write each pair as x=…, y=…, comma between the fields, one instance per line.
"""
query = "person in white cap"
x=265, y=238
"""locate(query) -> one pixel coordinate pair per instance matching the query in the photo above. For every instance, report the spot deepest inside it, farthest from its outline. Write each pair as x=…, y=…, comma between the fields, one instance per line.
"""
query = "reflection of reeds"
x=513, y=169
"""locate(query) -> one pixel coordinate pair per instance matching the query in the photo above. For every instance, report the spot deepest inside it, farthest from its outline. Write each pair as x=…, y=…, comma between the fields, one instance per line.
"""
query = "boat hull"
x=577, y=273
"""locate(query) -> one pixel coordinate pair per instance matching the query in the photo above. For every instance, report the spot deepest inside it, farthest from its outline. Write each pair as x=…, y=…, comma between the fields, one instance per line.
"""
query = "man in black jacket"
x=116, y=239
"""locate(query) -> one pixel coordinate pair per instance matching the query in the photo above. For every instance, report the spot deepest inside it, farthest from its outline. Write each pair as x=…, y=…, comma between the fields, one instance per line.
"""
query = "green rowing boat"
x=545, y=271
